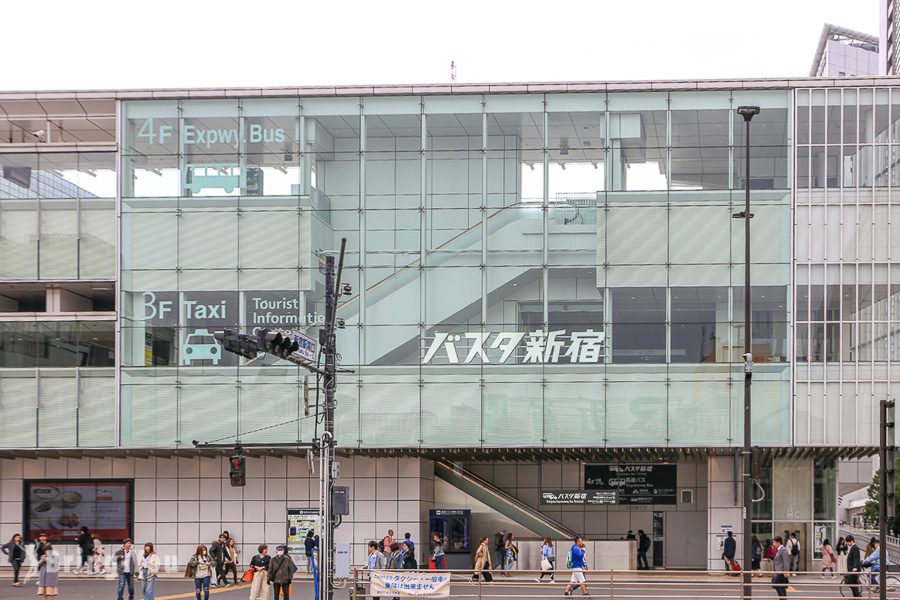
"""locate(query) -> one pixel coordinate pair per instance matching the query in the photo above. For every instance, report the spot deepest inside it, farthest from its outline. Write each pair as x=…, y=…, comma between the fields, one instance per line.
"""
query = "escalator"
x=505, y=504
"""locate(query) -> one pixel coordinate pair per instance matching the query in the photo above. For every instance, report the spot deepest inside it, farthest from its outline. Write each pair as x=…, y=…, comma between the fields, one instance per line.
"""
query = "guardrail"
x=634, y=585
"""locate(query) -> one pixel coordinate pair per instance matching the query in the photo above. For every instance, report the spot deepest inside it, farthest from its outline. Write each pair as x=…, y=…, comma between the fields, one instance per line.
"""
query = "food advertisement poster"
x=60, y=508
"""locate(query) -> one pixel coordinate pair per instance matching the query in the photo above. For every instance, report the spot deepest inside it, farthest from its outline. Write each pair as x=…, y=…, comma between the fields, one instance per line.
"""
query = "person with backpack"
x=510, y=555
x=793, y=548
x=643, y=548
x=575, y=561
x=86, y=545
x=200, y=568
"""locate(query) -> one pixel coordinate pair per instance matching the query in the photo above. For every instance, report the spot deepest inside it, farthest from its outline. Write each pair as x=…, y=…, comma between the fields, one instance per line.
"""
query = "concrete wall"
x=180, y=502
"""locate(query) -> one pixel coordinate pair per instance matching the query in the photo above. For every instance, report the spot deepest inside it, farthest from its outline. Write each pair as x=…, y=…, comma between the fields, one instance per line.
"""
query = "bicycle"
x=865, y=582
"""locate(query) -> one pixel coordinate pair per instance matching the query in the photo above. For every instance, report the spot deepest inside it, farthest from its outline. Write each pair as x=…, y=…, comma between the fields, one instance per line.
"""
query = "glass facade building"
x=549, y=269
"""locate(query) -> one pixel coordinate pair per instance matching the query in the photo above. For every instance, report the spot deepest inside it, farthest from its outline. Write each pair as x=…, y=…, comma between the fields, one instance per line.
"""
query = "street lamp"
x=748, y=112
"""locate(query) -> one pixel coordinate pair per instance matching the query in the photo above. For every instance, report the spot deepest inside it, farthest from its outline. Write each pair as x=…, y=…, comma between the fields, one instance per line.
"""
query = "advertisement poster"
x=300, y=521
x=410, y=584
x=61, y=508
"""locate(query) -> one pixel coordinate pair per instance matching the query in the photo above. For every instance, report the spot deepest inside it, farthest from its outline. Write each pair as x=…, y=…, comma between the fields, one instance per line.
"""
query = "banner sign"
x=577, y=498
x=576, y=347
x=635, y=483
x=410, y=584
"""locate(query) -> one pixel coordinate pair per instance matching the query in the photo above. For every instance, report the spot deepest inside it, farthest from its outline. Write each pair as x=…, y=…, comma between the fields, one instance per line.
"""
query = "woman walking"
x=98, y=553
x=483, y=561
x=259, y=588
x=231, y=560
x=841, y=550
x=149, y=571
x=201, y=567
x=14, y=549
x=548, y=558
x=510, y=555
x=829, y=560
x=86, y=544
x=48, y=574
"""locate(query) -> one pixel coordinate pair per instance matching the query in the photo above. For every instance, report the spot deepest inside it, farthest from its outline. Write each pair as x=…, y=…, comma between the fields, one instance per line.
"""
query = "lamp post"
x=748, y=112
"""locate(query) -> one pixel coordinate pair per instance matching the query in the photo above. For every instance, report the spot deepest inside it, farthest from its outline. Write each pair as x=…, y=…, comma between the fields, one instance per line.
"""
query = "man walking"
x=729, y=550
x=793, y=546
x=643, y=548
x=854, y=567
x=127, y=564
x=281, y=571
x=377, y=561
x=780, y=566
x=218, y=551
x=577, y=564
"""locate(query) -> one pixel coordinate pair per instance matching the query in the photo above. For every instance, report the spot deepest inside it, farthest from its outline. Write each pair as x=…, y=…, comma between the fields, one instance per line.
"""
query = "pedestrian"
x=231, y=560
x=149, y=571
x=377, y=562
x=309, y=544
x=395, y=558
x=729, y=548
x=755, y=554
x=483, y=561
x=127, y=565
x=499, y=548
x=386, y=541
x=854, y=567
x=548, y=557
x=841, y=551
x=575, y=561
x=14, y=549
x=40, y=546
x=510, y=555
x=98, y=554
x=437, y=551
x=48, y=573
x=201, y=567
x=793, y=546
x=259, y=588
x=86, y=545
x=630, y=535
x=769, y=554
x=781, y=566
x=217, y=553
x=873, y=561
x=281, y=571
x=407, y=540
x=829, y=560
x=409, y=557
x=643, y=548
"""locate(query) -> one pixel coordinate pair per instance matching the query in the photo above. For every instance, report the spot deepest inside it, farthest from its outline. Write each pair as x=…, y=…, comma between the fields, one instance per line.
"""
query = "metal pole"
x=882, y=500
x=747, y=113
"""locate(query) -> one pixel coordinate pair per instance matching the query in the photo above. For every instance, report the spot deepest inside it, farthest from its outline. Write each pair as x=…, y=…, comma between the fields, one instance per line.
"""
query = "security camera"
x=39, y=135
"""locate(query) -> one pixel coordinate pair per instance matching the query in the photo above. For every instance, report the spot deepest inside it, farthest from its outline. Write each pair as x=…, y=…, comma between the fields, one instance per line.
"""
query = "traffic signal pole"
x=886, y=497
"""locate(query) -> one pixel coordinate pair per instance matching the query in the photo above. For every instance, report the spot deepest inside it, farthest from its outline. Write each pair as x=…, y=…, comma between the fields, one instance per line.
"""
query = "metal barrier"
x=631, y=585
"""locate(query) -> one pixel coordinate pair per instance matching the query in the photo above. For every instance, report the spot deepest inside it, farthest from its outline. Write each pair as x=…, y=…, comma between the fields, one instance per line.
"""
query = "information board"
x=635, y=483
x=577, y=497
x=300, y=521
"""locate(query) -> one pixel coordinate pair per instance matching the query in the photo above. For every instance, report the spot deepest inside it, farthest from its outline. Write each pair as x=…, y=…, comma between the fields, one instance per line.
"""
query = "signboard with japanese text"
x=635, y=483
x=577, y=498
x=410, y=584
x=507, y=347
x=300, y=521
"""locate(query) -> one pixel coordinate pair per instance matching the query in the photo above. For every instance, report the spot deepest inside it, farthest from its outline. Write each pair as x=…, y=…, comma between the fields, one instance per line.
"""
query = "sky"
x=93, y=44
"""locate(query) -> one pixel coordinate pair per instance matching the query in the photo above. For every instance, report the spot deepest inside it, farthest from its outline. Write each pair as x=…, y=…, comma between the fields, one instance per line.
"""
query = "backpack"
x=569, y=559
x=795, y=549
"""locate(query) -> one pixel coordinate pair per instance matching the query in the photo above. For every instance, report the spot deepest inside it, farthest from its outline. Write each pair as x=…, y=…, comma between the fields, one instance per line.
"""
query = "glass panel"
x=638, y=325
x=793, y=490
x=825, y=491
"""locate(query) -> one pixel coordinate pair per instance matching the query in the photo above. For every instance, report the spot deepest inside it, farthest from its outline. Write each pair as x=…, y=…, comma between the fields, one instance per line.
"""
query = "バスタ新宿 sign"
x=585, y=347
x=577, y=498
x=634, y=483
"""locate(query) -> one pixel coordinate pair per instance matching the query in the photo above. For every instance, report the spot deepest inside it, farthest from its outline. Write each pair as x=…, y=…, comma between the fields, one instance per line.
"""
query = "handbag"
x=189, y=571
x=486, y=576
x=545, y=565
x=247, y=577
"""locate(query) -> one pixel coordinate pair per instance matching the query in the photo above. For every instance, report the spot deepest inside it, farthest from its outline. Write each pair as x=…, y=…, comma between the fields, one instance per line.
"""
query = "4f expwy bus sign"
x=195, y=135
x=579, y=347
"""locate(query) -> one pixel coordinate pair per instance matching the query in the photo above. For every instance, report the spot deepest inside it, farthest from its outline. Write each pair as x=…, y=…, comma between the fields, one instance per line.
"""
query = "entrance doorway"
x=785, y=529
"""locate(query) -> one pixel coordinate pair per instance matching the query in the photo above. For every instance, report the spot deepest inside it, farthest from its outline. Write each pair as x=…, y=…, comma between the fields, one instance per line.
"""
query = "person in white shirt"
x=149, y=571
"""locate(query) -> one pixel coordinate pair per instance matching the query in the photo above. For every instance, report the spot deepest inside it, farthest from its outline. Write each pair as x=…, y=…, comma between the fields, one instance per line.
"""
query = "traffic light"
x=238, y=472
x=274, y=342
x=239, y=343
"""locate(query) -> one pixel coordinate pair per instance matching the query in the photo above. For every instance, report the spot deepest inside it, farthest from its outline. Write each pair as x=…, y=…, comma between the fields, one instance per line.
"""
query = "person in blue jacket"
x=576, y=563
